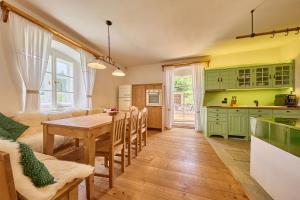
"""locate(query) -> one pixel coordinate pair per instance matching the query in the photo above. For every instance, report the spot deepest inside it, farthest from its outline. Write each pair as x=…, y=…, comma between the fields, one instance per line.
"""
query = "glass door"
x=283, y=76
x=262, y=76
x=244, y=78
x=184, y=111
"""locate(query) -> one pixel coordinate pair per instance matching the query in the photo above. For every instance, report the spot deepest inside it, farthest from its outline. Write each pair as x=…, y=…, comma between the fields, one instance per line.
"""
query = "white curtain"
x=198, y=93
x=31, y=45
x=89, y=76
x=169, y=99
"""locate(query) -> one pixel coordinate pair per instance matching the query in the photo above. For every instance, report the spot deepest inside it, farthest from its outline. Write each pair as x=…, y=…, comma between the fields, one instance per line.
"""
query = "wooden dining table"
x=85, y=128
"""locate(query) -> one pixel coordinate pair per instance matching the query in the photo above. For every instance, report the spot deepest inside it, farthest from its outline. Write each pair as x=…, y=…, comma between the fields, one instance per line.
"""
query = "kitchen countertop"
x=258, y=107
x=284, y=133
x=287, y=122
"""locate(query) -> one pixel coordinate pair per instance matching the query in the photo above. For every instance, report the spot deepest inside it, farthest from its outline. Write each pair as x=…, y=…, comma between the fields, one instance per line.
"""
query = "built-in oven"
x=154, y=97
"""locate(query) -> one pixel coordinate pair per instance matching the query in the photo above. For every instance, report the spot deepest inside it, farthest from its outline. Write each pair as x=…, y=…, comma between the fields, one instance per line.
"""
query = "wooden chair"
x=115, y=143
x=132, y=132
x=143, y=127
x=8, y=190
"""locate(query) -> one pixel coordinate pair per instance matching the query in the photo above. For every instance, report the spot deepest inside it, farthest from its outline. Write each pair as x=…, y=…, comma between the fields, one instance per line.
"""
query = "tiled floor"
x=235, y=153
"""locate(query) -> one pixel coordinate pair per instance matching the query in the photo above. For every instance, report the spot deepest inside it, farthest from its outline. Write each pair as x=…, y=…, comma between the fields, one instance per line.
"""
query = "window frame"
x=54, y=55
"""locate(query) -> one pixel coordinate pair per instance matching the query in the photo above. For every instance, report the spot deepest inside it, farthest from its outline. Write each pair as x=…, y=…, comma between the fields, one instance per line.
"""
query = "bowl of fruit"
x=113, y=111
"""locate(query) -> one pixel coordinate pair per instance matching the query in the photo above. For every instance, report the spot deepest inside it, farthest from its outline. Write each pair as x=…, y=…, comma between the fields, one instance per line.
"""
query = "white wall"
x=106, y=89
x=145, y=74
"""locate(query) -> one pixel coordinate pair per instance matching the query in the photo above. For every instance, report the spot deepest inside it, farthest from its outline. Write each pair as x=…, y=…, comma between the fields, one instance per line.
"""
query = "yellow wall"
x=284, y=53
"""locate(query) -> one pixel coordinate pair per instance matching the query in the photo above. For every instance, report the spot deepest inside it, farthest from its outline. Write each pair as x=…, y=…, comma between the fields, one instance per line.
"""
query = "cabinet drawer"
x=217, y=110
x=237, y=110
x=216, y=119
x=217, y=115
x=286, y=113
x=260, y=115
x=261, y=112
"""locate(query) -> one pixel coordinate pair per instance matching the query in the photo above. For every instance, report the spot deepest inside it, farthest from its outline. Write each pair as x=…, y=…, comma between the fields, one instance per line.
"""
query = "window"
x=57, y=89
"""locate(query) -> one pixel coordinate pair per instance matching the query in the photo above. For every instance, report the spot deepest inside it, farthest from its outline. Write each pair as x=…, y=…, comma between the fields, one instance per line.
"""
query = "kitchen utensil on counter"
x=233, y=101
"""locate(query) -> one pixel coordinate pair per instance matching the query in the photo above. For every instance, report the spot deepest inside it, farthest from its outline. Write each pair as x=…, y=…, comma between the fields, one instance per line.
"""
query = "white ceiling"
x=150, y=31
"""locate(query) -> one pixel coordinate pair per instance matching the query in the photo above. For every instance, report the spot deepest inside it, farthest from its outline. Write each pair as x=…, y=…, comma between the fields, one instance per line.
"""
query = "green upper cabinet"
x=244, y=77
x=227, y=80
x=283, y=75
x=212, y=80
x=220, y=79
x=260, y=76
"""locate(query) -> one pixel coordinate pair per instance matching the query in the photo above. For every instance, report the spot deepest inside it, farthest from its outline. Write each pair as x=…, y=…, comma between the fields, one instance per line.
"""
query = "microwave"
x=154, y=97
x=285, y=100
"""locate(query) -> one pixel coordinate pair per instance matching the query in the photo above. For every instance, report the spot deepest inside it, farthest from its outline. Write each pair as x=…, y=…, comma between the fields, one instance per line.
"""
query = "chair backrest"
x=144, y=118
x=133, y=124
x=7, y=186
x=118, y=129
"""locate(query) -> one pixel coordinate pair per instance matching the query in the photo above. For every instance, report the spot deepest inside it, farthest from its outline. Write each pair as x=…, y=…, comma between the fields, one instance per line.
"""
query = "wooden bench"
x=7, y=185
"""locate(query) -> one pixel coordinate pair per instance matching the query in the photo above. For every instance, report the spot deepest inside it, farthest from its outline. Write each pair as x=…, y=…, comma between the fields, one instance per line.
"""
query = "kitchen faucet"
x=256, y=103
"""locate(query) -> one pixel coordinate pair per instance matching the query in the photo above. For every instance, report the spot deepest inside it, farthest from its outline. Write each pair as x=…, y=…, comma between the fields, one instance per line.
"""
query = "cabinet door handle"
x=237, y=78
x=218, y=79
x=221, y=79
x=237, y=110
x=287, y=111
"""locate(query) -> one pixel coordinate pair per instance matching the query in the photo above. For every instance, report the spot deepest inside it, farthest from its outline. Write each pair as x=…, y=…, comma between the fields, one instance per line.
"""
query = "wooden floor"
x=177, y=164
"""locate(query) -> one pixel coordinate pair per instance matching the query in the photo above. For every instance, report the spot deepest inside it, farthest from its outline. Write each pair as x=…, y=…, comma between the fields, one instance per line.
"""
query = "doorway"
x=184, y=111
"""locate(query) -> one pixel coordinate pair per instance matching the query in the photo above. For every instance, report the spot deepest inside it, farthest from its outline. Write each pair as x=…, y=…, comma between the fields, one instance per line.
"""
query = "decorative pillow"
x=4, y=134
x=14, y=128
x=33, y=168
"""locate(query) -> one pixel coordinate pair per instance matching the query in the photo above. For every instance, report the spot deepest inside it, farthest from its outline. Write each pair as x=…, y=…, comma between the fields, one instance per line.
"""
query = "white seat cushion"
x=63, y=172
x=36, y=141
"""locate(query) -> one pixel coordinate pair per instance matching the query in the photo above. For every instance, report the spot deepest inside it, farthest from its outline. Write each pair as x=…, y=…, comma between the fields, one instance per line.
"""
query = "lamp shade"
x=118, y=72
x=97, y=64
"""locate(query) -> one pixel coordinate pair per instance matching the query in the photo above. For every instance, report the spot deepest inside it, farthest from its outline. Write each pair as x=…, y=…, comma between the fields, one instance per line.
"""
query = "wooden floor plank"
x=177, y=164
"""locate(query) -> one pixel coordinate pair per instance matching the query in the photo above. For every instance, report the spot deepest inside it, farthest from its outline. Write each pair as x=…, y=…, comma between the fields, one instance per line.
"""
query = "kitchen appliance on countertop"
x=125, y=97
x=285, y=100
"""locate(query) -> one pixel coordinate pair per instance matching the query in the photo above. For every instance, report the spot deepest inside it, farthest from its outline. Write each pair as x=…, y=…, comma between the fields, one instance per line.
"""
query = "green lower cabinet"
x=217, y=123
x=217, y=128
x=238, y=123
x=289, y=113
